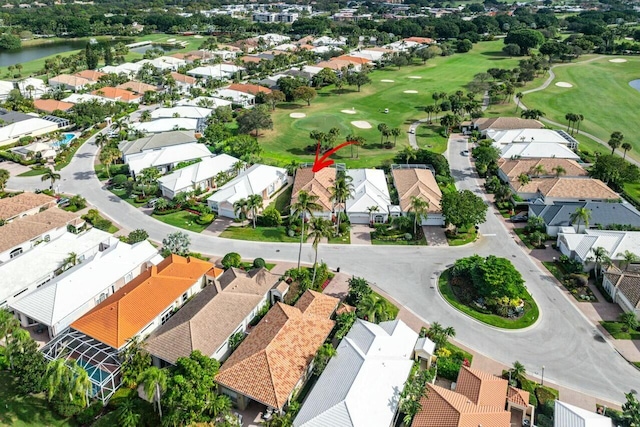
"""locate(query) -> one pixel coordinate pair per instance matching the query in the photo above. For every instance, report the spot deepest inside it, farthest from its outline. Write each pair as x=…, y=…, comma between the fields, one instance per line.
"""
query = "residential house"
x=338, y=64
x=38, y=266
x=32, y=87
x=511, y=169
x=24, y=204
x=205, y=102
x=92, y=75
x=129, y=69
x=258, y=179
x=51, y=105
x=34, y=150
x=370, y=200
x=95, y=340
x=23, y=234
x=76, y=98
x=502, y=137
x=5, y=88
x=117, y=94
x=317, y=184
x=164, y=63
x=137, y=87
x=566, y=415
x=224, y=308
x=218, y=71
x=249, y=88
x=200, y=175
x=184, y=82
x=371, y=54
x=166, y=158
x=155, y=141
x=525, y=150
x=603, y=215
x=421, y=183
x=329, y=41
x=479, y=399
x=361, y=384
x=278, y=353
x=68, y=82
x=67, y=297
x=355, y=60
x=183, y=111
x=169, y=124
x=241, y=99
x=564, y=189
x=623, y=286
x=485, y=124
x=33, y=126
x=580, y=247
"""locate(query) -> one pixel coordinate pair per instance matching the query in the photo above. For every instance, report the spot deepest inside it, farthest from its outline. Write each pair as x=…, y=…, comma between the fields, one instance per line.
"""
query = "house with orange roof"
x=420, y=40
x=479, y=399
x=355, y=60
x=117, y=94
x=338, y=64
x=92, y=75
x=68, y=82
x=137, y=87
x=418, y=181
x=51, y=105
x=274, y=360
x=183, y=82
x=249, y=88
x=317, y=184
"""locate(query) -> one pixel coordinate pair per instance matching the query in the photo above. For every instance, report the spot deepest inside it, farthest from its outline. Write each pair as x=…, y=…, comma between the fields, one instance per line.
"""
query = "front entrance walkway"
x=360, y=234
x=435, y=235
x=218, y=226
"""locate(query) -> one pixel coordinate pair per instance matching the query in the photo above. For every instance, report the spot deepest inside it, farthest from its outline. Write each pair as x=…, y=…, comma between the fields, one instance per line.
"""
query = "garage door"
x=226, y=213
x=433, y=220
x=359, y=218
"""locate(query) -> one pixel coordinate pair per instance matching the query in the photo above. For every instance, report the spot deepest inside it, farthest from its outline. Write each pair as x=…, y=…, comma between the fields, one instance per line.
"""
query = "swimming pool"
x=96, y=374
x=66, y=139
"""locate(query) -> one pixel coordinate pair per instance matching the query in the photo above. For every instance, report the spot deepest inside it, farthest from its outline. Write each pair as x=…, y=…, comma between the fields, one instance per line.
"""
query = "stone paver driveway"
x=360, y=234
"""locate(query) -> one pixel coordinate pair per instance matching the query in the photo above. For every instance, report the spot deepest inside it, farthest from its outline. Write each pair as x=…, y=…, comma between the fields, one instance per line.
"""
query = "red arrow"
x=324, y=161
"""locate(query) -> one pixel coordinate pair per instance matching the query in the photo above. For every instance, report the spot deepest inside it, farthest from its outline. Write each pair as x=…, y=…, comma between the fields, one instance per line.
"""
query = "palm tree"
x=154, y=382
x=420, y=209
x=320, y=228
x=241, y=208
x=627, y=258
x=18, y=342
x=429, y=109
x=56, y=377
x=626, y=147
x=51, y=175
x=570, y=118
x=518, y=372
x=578, y=119
x=409, y=153
x=532, y=114
x=145, y=116
x=519, y=97
x=238, y=167
x=101, y=140
x=107, y=157
x=538, y=170
x=8, y=323
x=219, y=404
x=254, y=203
x=580, y=215
x=371, y=210
x=80, y=385
x=599, y=254
x=396, y=132
x=342, y=189
x=383, y=128
x=306, y=204
x=71, y=260
x=559, y=170
x=523, y=179
x=374, y=309
x=128, y=415
x=615, y=140
x=628, y=320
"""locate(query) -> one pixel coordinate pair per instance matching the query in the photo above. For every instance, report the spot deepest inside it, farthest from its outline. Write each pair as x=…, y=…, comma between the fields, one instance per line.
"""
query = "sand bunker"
x=387, y=81
x=564, y=84
x=414, y=77
x=410, y=91
x=348, y=111
x=361, y=124
x=197, y=36
x=618, y=60
x=297, y=115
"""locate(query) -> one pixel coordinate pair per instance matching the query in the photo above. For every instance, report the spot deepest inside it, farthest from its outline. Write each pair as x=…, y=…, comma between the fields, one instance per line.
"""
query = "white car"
x=465, y=153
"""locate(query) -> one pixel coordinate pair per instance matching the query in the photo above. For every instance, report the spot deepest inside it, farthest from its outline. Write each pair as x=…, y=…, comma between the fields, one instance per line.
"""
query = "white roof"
x=425, y=345
x=615, y=242
x=235, y=95
x=164, y=62
x=186, y=178
x=166, y=125
x=25, y=127
x=370, y=189
x=324, y=49
x=38, y=85
x=220, y=71
x=182, y=111
x=6, y=87
x=126, y=68
x=372, y=55
x=76, y=98
x=274, y=38
x=536, y=150
x=525, y=135
x=60, y=302
x=311, y=69
x=571, y=416
x=252, y=181
x=285, y=47
x=326, y=40
x=401, y=46
x=167, y=155
x=36, y=265
x=361, y=384
x=217, y=102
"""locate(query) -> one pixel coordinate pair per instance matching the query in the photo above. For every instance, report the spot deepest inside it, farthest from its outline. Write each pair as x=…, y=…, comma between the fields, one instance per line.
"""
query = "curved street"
x=563, y=341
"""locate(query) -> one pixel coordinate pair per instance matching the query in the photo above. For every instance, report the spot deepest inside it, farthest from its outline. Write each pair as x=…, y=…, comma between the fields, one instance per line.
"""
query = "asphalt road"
x=562, y=340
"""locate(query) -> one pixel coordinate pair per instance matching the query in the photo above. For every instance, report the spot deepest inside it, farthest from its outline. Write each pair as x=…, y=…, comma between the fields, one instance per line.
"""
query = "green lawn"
x=28, y=411
x=636, y=364
x=554, y=270
x=393, y=309
x=34, y=172
x=341, y=240
x=523, y=237
x=462, y=238
x=608, y=83
x=290, y=136
x=122, y=193
x=182, y=219
x=531, y=311
x=260, y=234
x=429, y=137
x=615, y=329
x=421, y=242
x=282, y=201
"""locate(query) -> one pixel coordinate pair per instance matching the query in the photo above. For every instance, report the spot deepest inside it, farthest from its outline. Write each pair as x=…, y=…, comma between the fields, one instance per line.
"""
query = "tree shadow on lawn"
x=342, y=91
x=497, y=55
x=289, y=106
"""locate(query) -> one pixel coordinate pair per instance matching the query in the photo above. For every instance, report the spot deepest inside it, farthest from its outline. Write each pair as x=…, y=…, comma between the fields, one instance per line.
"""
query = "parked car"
x=465, y=153
x=412, y=131
x=152, y=203
x=64, y=202
x=520, y=218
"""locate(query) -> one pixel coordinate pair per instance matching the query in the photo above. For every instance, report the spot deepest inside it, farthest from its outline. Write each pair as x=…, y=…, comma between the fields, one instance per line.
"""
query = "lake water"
x=635, y=84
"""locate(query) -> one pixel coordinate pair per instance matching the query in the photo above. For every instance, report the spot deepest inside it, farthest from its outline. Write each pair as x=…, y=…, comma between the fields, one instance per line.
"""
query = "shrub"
x=544, y=395
x=291, y=232
x=270, y=218
x=119, y=180
x=259, y=263
x=121, y=395
x=570, y=265
x=548, y=408
x=448, y=368
x=64, y=408
x=408, y=236
x=102, y=224
x=544, y=421
x=89, y=414
x=205, y=219
x=232, y=259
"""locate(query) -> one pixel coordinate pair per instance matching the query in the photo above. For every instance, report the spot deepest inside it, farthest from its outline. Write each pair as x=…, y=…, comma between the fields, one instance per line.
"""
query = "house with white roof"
x=168, y=124
x=32, y=88
x=198, y=175
x=154, y=142
x=164, y=63
x=33, y=269
x=329, y=41
x=205, y=102
x=243, y=99
x=527, y=150
x=580, y=247
x=130, y=69
x=567, y=415
x=370, y=200
x=182, y=111
x=63, y=300
x=258, y=179
x=218, y=71
x=361, y=384
x=68, y=82
x=35, y=126
x=512, y=136
x=166, y=158
x=76, y=98
x=371, y=55
x=5, y=88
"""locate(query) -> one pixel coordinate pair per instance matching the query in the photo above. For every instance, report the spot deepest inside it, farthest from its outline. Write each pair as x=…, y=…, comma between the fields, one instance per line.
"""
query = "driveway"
x=14, y=168
x=435, y=235
x=218, y=226
x=360, y=234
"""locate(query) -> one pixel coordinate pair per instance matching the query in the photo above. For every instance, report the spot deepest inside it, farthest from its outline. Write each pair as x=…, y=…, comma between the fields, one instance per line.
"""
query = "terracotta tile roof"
x=137, y=87
x=207, y=321
x=568, y=188
x=115, y=93
x=305, y=47
x=380, y=49
x=51, y=105
x=422, y=40
x=481, y=388
x=513, y=168
x=354, y=59
x=627, y=283
x=23, y=202
x=253, y=59
x=69, y=80
x=30, y=227
x=517, y=396
x=484, y=123
x=316, y=184
x=345, y=308
x=129, y=310
x=91, y=75
x=420, y=183
x=249, y=88
x=270, y=362
x=183, y=78
x=334, y=64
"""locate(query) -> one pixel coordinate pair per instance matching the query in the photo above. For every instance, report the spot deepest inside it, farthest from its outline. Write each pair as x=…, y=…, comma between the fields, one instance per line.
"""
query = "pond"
x=635, y=84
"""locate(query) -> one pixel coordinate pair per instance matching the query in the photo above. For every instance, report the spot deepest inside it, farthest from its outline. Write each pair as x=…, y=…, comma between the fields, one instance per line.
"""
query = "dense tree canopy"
x=463, y=208
x=492, y=277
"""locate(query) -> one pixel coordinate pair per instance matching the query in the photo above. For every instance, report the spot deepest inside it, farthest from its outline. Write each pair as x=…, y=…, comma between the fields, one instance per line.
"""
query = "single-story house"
x=218, y=71
x=370, y=200
x=117, y=94
x=316, y=184
x=564, y=189
x=485, y=124
x=623, y=286
x=511, y=169
x=76, y=98
x=258, y=179
x=479, y=399
x=169, y=124
x=155, y=141
x=370, y=54
x=224, y=308
x=67, y=297
x=329, y=41
x=244, y=100
x=34, y=126
x=278, y=352
x=24, y=204
x=536, y=150
x=338, y=65
x=566, y=415
x=501, y=137
x=421, y=183
x=5, y=88
x=32, y=87
x=580, y=247
x=38, y=266
x=35, y=149
x=166, y=158
x=129, y=69
x=184, y=82
x=249, y=88
x=137, y=87
x=92, y=75
x=603, y=215
x=68, y=82
x=183, y=111
x=51, y=105
x=198, y=175
x=163, y=63
x=361, y=384
x=205, y=102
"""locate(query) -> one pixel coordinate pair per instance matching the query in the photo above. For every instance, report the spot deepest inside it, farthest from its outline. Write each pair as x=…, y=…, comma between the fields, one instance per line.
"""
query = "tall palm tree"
x=409, y=153
x=241, y=208
x=254, y=203
x=50, y=175
x=626, y=147
x=559, y=170
x=519, y=97
x=107, y=157
x=429, y=109
x=580, y=215
x=342, y=189
x=627, y=258
x=518, y=372
x=101, y=140
x=70, y=261
x=238, y=167
x=615, y=140
x=599, y=254
x=375, y=309
x=383, y=128
x=579, y=118
x=320, y=228
x=18, y=342
x=154, y=382
x=396, y=132
x=80, y=385
x=306, y=204
x=371, y=210
x=420, y=209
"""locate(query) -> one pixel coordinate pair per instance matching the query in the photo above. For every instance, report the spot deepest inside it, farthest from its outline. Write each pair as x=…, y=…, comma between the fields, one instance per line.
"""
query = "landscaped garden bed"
x=399, y=232
x=462, y=237
x=620, y=331
x=569, y=273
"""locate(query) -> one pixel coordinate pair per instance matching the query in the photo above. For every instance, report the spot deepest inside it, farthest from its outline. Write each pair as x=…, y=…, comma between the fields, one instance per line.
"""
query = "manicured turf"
x=290, y=136
x=182, y=219
x=34, y=172
x=530, y=307
x=600, y=92
x=421, y=242
x=462, y=238
x=615, y=329
x=393, y=309
x=282, y=201
x=429, y=137
x=28, y=411
x=260, y=234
